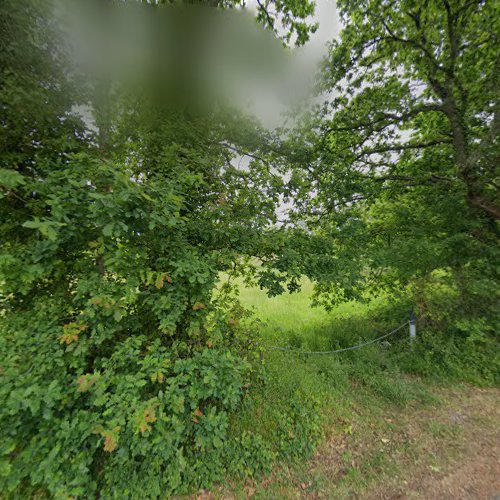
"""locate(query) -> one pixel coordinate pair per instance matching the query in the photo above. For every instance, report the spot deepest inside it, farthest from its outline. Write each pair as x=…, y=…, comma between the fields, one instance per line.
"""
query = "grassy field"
x=290, y=320
x=340, y=426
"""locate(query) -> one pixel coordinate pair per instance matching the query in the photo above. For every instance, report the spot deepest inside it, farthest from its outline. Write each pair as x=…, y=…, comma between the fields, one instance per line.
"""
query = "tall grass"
x=304, y=397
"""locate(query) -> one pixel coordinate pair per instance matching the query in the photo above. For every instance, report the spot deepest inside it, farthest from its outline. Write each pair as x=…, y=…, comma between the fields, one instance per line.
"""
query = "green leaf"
x=11, y=178
x=47, y=228
x=107, y=230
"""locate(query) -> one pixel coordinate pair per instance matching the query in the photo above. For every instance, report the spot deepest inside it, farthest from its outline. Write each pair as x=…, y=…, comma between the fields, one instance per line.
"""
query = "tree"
x=399, y=164
x=121, y=362
x=428, y=69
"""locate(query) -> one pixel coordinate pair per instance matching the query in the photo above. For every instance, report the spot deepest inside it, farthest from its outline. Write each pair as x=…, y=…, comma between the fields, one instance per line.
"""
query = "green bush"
x=458, y=324
x=446, y=355
x=144, y=421
x=118, y=382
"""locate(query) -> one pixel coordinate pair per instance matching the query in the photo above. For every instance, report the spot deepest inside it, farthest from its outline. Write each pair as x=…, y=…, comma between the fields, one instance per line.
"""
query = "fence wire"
x=357, y=346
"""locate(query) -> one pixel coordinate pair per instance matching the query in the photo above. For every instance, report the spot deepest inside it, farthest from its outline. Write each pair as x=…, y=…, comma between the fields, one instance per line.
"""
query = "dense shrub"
x=143, y=421
x=119, y=366
x=117, y=381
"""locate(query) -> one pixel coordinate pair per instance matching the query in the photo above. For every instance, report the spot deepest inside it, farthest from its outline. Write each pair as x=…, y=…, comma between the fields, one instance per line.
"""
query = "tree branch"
x=401, y=147
x=394, y=118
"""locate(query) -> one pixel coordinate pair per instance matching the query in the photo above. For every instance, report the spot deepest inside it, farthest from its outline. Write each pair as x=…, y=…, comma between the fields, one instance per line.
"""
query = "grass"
x=309, y=400
x=355, y=424
x=289, y=319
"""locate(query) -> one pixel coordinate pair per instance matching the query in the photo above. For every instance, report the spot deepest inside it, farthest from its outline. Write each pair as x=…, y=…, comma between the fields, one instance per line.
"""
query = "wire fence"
x=351, y=348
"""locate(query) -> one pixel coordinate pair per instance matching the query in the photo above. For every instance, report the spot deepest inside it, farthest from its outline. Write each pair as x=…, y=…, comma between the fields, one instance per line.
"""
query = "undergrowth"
x=303, y=397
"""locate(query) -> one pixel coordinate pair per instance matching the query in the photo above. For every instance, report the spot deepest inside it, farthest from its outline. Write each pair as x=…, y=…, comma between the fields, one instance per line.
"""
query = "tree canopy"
x=399, y=161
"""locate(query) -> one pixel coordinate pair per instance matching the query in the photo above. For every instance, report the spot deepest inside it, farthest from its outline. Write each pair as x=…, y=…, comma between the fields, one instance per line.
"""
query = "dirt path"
x=447, y=451
x=453, y=452
x=475, y=472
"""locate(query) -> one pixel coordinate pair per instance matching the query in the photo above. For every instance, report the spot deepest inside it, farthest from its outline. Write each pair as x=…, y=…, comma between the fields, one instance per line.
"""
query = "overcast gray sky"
x=304, y=63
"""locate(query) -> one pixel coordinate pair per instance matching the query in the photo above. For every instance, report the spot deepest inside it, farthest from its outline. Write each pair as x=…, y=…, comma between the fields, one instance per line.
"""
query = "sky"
x=327, y=17
x=304, y=64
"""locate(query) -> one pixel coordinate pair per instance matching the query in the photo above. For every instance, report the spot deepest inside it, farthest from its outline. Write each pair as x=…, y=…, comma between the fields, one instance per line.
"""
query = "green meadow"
x=289, y=319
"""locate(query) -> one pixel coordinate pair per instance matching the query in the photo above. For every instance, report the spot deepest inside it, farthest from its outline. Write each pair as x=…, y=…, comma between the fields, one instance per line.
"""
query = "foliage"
x=413, y=110
x=458, y=339
x=288, y=19
x=123, y=202
x=120, y=206
x=401, y=157
x=124, y=428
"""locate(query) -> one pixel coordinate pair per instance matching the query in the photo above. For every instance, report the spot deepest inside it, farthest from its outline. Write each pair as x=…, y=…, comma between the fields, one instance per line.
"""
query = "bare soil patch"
x=451, y=451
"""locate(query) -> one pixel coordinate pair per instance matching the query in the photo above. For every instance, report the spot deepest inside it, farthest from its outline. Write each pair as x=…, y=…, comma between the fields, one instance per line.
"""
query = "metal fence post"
x=413, y=329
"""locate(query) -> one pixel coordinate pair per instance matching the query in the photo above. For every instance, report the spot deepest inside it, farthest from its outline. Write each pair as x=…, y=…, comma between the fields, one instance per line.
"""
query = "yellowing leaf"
x=110, y=439
x=68, y=338
x=109, y=443
x=197, y=413
x=144, y=427
x=85, y=382
x=149, y=415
